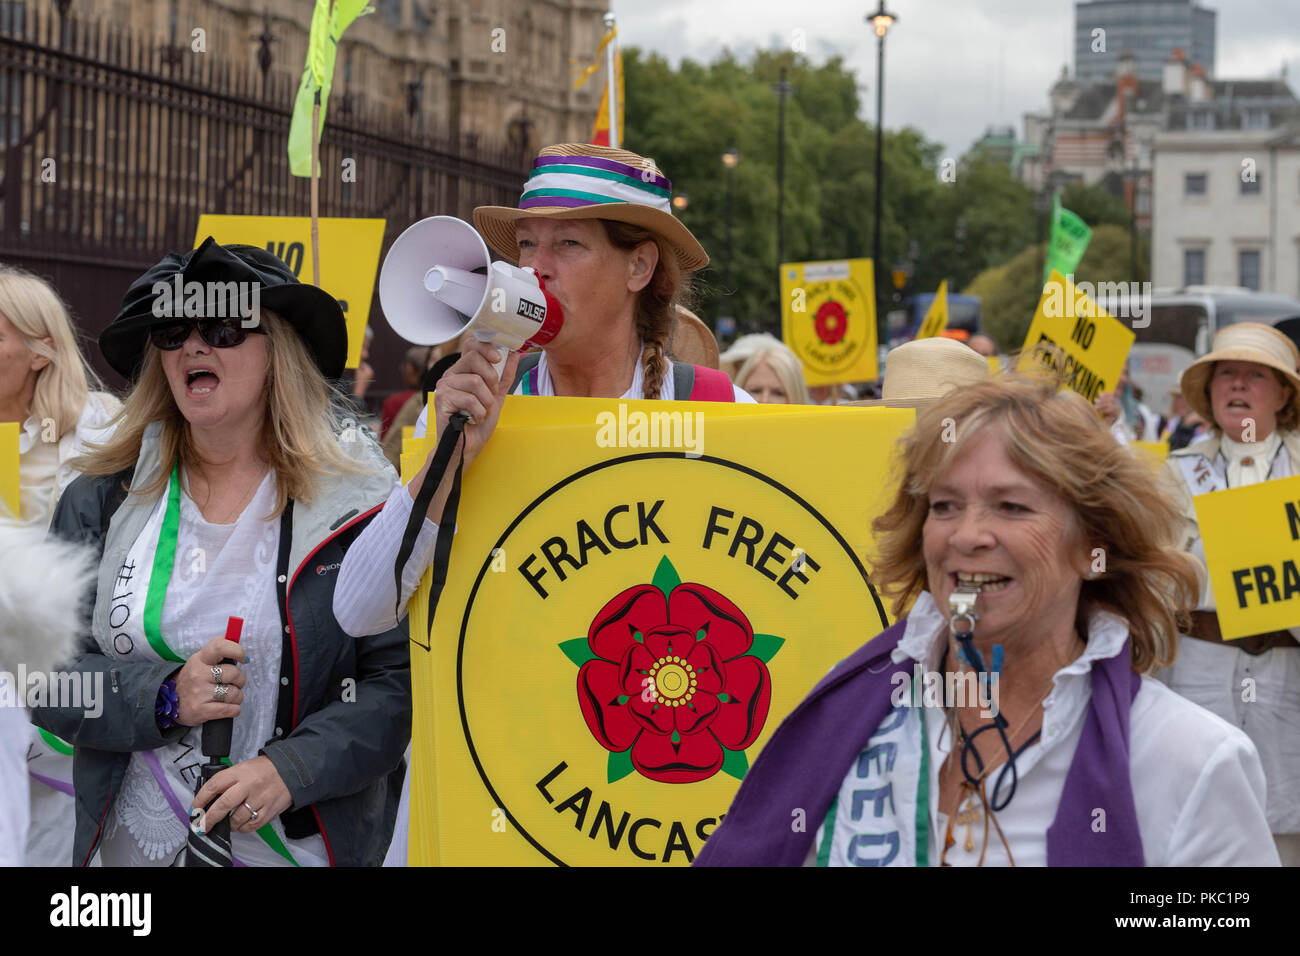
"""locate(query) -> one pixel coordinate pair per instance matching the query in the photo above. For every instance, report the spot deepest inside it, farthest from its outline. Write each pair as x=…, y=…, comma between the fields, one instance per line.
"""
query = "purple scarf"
x=804, y=764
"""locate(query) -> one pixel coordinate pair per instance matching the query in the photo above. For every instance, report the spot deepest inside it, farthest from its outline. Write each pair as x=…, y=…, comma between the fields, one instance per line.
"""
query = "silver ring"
x=252, y=814
x=216, y=673
x=221, y=692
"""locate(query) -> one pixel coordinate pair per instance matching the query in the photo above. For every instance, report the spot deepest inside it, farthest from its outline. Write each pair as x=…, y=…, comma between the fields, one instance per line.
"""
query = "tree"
x=1095, y=205
x=687, y=118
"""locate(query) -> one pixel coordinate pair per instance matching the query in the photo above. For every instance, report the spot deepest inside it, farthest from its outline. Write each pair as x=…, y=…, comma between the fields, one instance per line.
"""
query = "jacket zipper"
x=293, y=643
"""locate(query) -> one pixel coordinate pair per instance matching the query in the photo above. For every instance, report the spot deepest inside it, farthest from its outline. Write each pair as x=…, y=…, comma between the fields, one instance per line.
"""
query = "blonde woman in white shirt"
x=1006, y=717
x=1248, y=389
x=46, y=387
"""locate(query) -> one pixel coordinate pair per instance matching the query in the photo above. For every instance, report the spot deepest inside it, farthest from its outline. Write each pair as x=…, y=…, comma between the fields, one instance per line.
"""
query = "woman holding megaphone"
x=595, y=226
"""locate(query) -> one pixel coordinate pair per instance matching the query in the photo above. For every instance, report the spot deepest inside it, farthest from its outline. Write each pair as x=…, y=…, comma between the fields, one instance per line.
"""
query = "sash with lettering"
x=881, y=815
x=1204, y=476
x=805, y=763
x=152, y=804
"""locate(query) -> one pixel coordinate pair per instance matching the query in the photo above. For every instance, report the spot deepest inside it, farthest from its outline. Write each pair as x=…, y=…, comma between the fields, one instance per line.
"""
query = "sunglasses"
x=218, y=333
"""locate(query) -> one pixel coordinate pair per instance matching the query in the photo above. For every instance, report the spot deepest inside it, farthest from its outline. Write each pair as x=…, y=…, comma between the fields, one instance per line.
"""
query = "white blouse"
x=365, y=598
x=1197, y=782
x=219, y=570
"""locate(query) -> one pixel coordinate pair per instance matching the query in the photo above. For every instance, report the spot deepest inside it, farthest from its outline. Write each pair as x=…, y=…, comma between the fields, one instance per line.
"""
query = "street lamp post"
x=880, y=21
x=782, y=90
x=1135, y=175
x=729, y=159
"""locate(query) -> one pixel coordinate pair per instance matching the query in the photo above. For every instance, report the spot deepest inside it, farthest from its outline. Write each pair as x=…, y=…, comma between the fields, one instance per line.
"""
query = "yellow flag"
x=328, y=22
x=600, y=131
x=318, y=42
x=588, y=72
x=936, y=319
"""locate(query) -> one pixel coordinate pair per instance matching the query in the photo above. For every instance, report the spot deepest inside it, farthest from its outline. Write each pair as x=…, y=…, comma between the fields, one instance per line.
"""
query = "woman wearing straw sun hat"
x=596, y=225
x=1248, y=389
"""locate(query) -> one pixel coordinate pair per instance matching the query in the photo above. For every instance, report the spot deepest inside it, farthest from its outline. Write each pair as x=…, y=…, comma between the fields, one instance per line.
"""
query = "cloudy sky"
x=952, y=67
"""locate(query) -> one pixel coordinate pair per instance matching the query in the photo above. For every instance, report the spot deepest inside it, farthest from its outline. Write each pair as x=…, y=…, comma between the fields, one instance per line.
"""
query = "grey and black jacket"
x=343, y=719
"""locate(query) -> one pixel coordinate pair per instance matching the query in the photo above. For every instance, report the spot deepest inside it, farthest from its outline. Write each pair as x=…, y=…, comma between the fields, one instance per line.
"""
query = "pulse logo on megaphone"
x=439, y=280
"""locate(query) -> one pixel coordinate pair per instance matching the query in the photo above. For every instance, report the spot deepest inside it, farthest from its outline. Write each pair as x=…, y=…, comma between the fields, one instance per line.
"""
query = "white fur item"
x=43, y=582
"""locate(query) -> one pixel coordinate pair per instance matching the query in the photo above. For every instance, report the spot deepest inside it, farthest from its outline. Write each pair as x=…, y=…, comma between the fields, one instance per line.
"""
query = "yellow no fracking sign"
x=1256, y=576
x=632, y=607
x=349, y=254
x=1095, y=344
x=828, y=317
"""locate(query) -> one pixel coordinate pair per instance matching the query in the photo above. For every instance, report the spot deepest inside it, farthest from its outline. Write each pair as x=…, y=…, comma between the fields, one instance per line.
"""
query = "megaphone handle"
x=487, y=338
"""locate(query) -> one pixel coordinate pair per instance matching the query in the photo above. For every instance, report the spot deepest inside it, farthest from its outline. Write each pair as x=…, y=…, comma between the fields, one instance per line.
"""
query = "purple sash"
x=804, y=764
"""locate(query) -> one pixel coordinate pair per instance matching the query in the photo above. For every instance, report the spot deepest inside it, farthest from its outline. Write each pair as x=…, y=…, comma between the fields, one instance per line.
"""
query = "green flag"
x=1070, y=237
x=326, y=29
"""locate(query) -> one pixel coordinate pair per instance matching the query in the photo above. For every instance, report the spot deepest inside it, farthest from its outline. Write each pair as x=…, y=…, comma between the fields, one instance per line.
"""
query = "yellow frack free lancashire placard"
x=1095, y=344
x=9, y=487
x=349, y=254
x=828, y=317
x=638, y=593
x=1256, y=576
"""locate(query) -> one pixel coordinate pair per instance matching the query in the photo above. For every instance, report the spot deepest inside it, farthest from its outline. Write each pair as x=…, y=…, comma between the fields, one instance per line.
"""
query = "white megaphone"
x=439, y=280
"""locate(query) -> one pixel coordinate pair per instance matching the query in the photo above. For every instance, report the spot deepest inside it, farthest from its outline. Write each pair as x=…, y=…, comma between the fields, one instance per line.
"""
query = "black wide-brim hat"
x=314, y=314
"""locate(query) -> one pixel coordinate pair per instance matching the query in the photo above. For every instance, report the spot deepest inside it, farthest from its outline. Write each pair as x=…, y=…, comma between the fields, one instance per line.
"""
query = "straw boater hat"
x=1243, y=342
x=921, y=371
x=693, y=341
x=578, y=181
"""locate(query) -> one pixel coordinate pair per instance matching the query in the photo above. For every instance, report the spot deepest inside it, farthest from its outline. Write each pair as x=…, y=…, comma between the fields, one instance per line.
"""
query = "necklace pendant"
x=968, y=815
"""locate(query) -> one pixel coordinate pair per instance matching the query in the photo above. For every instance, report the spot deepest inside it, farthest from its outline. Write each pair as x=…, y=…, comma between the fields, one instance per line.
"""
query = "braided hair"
x=656, y=303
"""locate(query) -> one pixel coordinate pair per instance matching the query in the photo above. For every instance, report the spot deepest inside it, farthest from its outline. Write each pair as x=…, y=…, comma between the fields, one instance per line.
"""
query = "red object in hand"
x=234, y=627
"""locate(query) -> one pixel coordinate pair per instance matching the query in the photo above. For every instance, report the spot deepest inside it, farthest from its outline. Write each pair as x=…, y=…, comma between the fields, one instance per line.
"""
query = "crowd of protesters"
x=237, y=442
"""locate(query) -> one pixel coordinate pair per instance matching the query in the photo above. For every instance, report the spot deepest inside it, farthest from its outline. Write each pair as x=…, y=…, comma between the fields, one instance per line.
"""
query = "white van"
x=1182, y=323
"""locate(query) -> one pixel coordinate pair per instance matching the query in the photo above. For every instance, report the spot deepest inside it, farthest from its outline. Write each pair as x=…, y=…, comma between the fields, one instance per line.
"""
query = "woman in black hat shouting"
x=231, y=488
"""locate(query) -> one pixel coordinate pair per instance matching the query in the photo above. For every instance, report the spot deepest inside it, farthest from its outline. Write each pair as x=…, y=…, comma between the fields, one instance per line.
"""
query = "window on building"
x=1194, y=184
x=1254, y=118
x=1200, y=119
x=1252, y=185
x=1248, y=269
x=1193, y=267
x=12, y=17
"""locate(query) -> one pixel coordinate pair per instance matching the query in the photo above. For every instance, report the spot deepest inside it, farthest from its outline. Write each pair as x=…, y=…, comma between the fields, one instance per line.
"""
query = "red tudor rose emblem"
x=831, y=322
x=673, y=681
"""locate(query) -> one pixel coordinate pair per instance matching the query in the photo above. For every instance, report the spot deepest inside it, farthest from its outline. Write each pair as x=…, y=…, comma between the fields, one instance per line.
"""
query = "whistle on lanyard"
x=961, y=623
